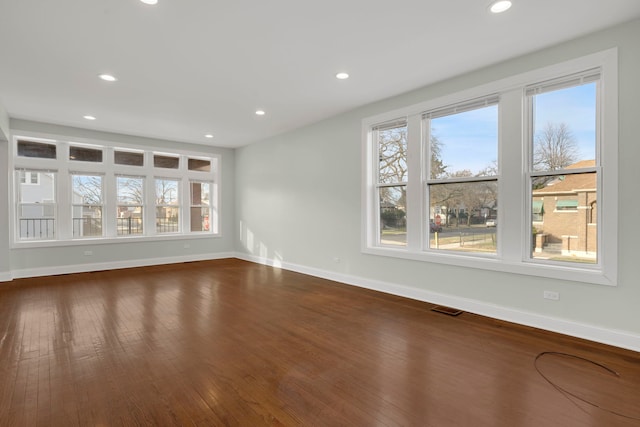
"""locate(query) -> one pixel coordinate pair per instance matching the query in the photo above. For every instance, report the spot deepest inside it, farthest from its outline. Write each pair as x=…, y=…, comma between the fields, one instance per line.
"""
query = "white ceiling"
x=191, y=67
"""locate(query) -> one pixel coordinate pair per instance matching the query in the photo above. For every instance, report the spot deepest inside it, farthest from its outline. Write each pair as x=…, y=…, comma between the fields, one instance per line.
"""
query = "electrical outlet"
x=336, y=260
x=88, y=253
x=187, y=246
x=552, y=295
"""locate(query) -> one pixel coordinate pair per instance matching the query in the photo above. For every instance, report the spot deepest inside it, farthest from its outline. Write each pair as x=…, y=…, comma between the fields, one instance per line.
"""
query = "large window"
x=462, y=188
x=392, y=182
x=36, y=216
x=67, y=192
x=130, y=196
x=87, y=200
x=564, y=162
x=509, y=176
x=167, y=205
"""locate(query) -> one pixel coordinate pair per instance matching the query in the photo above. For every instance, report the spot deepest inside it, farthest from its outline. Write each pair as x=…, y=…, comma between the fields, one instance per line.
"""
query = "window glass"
x=130, y=198
x=464, y=216
x=564, y=127
x=36, y=206
x=199, y=165
x=463, y=191
x=36, y=149
x=87, y=201
x=392, y=177
x=464, y=144
x=129, y=158
x=85, y=154
x=564, y=226
x=167, y=205
x=167, y=162
x=200, y=206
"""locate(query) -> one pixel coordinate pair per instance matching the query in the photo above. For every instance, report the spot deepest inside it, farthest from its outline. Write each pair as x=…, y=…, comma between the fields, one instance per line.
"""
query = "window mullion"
x=415, y=229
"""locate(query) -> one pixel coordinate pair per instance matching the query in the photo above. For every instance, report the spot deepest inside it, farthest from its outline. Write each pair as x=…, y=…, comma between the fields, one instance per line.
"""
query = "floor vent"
x=446, y=310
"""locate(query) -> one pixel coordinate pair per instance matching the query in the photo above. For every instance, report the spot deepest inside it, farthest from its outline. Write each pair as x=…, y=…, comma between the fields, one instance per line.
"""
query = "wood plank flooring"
x=233, y=343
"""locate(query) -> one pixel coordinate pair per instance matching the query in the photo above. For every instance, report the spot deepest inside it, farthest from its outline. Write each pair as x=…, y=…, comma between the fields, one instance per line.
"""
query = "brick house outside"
x=565, y=214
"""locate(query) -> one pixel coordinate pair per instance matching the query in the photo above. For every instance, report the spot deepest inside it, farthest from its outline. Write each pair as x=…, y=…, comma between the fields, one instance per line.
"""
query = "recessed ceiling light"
x=342, y=76
x=149, y=1
x=89, y=117
x=208, y=135
x=107, y=77
x=260, y=112
x=500, y=6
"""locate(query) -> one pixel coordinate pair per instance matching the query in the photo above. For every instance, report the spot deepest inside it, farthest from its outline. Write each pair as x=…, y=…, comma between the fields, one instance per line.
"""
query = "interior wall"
x=47, y=260
x=298, y=204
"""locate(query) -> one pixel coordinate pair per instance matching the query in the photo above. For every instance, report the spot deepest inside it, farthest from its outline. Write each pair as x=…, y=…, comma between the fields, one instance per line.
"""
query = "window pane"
x=393, y=216
x=130, y=190
x=167, y=191
x=85, y=154
x=467, y=213
x=128, y=158
x=565, y=226
x=200, y=193
x=129, y=220
x=86, y=190
x=199, y=165
x=392, y=154
x=167, y=162
x=465, y=144
x=87, y=221
x=167, y=219
x=36, y=149
x=564, y=127
x=200, y=217
x=36, y=205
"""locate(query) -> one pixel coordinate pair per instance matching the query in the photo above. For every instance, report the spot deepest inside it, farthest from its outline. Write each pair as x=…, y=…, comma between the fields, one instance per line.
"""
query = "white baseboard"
x=615, y=338
x=5, y=276
x=83, y=268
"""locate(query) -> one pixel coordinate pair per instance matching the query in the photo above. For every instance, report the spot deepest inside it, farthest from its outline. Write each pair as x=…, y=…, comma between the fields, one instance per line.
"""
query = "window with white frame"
x=167, y=205
x=563, y=117
x=462, y=170
x=392, y=173
x=130, y=197
x=201, y=215
x=36, y=207
x=510, y=176
x=87, y=199
x=72, y=191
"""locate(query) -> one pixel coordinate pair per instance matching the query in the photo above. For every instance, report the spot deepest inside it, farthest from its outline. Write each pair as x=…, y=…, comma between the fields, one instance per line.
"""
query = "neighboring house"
x=36, y=209
x=565, y=214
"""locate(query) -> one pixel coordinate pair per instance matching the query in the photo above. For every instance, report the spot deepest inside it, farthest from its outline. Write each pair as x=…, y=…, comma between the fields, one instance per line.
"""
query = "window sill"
x=493, y=263
x=110, y=240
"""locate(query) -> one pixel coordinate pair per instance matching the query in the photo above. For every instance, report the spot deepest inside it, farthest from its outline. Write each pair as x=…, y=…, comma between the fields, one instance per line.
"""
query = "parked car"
x=434, y=228
x=492, y=222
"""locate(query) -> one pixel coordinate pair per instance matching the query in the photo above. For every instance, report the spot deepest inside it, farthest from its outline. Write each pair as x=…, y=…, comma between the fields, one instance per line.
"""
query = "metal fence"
x=37, y=228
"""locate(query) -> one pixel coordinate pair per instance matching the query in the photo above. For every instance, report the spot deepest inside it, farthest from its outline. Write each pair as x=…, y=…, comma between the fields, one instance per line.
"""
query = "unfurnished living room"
x=409, y=213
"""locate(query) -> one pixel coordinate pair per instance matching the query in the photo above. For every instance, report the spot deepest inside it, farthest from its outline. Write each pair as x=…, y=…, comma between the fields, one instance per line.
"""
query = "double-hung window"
x=200, y=205
x=87, y=200
x=36, y=207
x=392, y=173
x=462, y=171
x=167, y=205
x=517, y=175
x=130, y=208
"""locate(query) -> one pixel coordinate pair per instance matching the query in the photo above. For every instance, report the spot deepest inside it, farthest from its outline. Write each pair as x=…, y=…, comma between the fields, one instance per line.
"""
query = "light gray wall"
x=39, y=259
x=298, y=201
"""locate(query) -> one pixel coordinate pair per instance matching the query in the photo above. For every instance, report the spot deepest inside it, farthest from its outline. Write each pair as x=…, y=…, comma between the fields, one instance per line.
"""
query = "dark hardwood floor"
x=234, y=343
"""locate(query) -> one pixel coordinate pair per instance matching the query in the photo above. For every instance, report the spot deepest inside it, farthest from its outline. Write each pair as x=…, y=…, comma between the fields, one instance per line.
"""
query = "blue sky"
x=470, y=139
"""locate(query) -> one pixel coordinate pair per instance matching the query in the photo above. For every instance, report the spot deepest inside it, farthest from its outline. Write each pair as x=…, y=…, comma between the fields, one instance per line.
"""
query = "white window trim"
x=64, y=167
x=513, y=230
